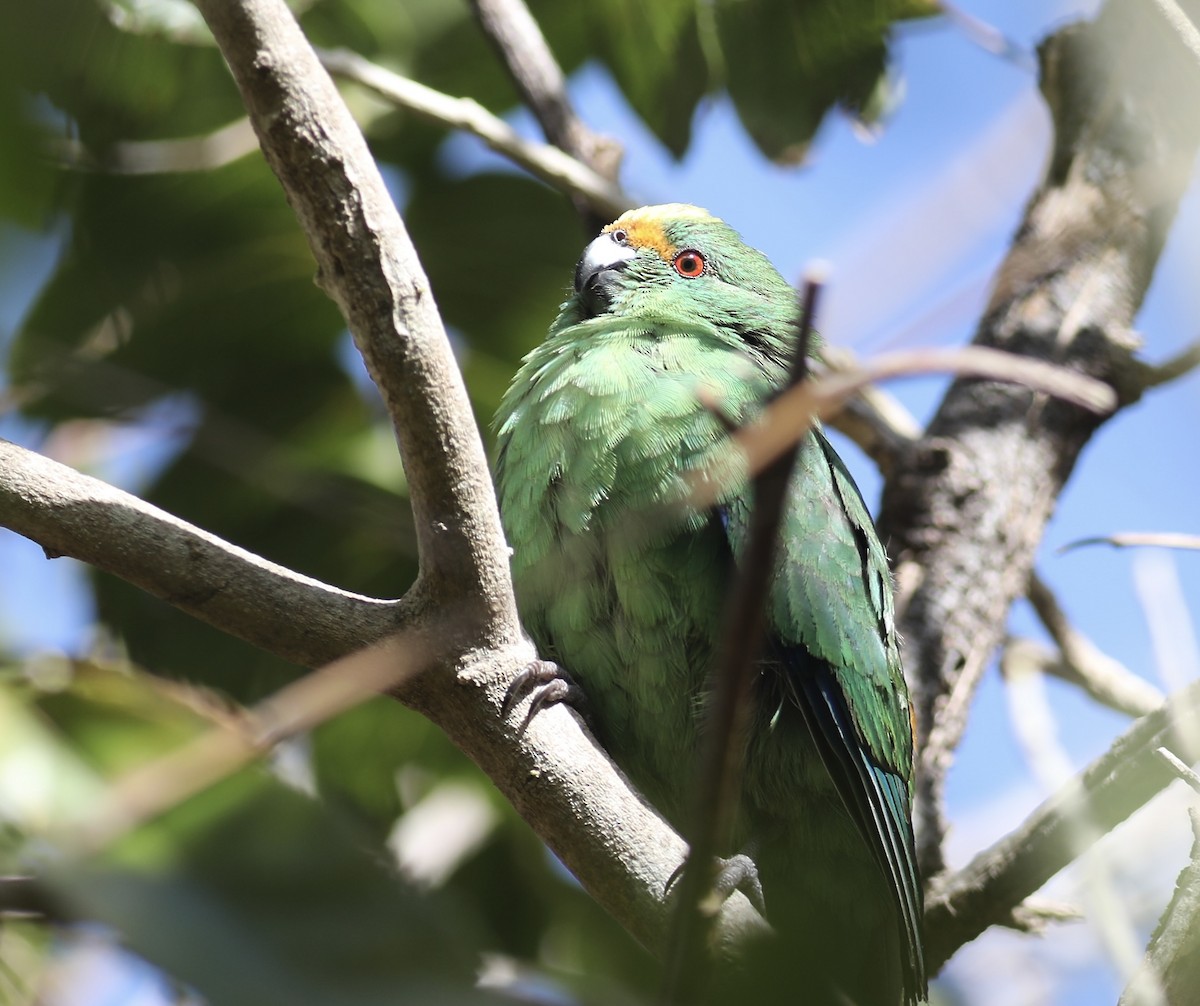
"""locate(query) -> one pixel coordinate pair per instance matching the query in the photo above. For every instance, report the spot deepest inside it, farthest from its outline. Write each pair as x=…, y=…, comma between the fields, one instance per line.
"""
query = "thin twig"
x=789, y=416
x=522, y=48
x=1138, y=539
x=520, y=43
x=1107, y=681
x=152, y=157
x=552, y=165
x=988, y=37
x=1081, y=662
x=1180, y=768
x=873, y=418
x=1149, y=376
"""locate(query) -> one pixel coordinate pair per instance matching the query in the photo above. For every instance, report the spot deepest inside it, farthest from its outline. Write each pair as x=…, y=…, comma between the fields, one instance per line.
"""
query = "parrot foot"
x=737, y=873
x=549, y=684
x=740, y=873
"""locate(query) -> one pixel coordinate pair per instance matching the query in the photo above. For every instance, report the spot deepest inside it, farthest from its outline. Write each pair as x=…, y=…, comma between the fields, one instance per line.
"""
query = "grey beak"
x=601, y=259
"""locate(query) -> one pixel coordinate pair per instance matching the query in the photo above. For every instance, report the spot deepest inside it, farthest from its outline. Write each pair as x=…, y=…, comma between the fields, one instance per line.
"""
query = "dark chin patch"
x=598, y=293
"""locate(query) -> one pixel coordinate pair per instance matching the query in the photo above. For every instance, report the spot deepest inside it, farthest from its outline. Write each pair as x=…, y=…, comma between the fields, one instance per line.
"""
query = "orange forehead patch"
x=644, y=227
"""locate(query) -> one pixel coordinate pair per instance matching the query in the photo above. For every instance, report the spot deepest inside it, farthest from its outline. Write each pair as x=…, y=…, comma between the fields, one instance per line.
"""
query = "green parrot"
x=622, y=582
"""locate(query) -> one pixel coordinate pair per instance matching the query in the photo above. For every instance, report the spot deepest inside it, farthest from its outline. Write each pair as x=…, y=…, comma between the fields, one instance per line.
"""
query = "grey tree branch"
x=1082, y=663
x=296, y=617
x=551, y=164
x=367, y=264
x=520, y=43
x=988, y=889
x=1105, y=680
x=965, y=510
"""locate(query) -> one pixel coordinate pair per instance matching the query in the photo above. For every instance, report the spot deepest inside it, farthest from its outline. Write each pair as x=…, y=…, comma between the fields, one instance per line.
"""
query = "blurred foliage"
x=188, y=296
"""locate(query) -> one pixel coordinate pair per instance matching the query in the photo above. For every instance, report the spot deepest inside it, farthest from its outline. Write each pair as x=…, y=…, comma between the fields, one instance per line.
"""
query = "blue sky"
x=913, y=225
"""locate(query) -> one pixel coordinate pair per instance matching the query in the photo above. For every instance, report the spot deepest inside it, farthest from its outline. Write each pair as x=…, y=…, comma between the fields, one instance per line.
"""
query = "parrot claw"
x=549, y=684
x=737, y=873
x=740, y=873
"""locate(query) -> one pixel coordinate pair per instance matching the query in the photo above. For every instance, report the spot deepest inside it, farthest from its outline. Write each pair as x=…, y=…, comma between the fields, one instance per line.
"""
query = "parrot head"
x=676, y=264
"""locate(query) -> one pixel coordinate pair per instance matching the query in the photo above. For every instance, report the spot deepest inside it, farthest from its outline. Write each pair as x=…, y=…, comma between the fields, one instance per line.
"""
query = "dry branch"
x=552, y=165
x=523, y=49
x=294, y=616
x=1081, y=662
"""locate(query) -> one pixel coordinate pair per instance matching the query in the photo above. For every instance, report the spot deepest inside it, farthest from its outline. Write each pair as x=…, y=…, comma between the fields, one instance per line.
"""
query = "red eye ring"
x=689, y=263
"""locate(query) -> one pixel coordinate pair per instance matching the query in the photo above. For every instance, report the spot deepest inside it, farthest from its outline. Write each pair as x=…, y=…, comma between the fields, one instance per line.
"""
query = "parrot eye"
x=620, y=237
x=689, y=263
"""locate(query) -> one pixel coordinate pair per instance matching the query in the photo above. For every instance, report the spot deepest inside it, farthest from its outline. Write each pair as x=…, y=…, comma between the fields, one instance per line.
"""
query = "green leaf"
x=655, y=55
x=257, y=895
x=787, y=63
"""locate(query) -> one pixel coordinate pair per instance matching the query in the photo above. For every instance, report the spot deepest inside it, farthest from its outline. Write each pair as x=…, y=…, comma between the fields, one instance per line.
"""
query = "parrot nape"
x=622, y=584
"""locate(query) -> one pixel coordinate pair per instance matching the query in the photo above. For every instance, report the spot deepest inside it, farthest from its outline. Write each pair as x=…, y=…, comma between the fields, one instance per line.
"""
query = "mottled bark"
x=964, y=511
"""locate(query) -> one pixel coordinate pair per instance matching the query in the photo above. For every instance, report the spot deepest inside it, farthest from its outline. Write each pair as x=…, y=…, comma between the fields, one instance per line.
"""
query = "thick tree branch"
x=987, y=890
x=367, y=264
x=964, y=512
x=271, y=607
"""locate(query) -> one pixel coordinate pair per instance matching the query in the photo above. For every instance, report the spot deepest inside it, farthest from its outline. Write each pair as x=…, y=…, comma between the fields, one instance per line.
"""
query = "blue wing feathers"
x=875, y=797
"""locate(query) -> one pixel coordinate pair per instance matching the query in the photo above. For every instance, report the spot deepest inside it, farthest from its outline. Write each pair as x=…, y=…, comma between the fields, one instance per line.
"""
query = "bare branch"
x=1185, y=772
x=988, y=889
x=789, y=416
x=1107, y=681
x=874, y=419
x=519, y=41
x=552, y=165
x=70, y=514
x=1035, y=915
x=1081, y=662
x=1146, y=376
x=1139, y=539
x=988, y=37
x=367, y=264
x=235, y=741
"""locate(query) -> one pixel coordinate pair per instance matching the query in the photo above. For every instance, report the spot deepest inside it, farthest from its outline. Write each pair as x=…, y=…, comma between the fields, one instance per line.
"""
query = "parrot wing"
x=831, y=634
